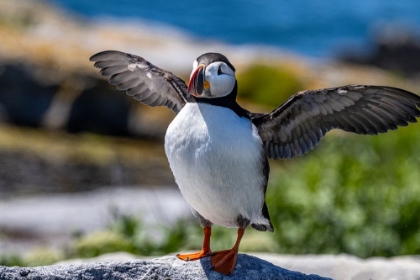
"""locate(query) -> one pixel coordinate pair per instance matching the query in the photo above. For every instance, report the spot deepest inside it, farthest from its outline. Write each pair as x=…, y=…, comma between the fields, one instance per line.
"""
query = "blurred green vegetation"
x=22, y=20
x=259, y=81
x=43, y=256
x=11, y=260
x=353, y=194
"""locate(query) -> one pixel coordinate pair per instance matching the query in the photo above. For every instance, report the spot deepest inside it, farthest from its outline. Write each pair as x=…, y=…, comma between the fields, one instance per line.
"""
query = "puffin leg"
x=205, y=250
x=224, y=261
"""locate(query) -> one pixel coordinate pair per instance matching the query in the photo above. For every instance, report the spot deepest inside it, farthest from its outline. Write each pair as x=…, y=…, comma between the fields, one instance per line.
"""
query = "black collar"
x=228, y=101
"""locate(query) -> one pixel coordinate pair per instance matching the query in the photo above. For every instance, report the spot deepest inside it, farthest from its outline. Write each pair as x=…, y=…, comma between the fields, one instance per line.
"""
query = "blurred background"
x=82, y=166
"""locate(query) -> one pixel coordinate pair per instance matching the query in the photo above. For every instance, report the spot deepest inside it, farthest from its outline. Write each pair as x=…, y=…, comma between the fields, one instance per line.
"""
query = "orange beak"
x=197, y=82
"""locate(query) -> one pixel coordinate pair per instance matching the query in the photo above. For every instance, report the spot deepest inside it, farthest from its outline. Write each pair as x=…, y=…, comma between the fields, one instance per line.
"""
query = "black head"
x=213, y=76
x=209, y=58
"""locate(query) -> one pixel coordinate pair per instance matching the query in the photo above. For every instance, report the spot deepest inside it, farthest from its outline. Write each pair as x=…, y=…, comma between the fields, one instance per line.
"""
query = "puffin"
x=218, y=151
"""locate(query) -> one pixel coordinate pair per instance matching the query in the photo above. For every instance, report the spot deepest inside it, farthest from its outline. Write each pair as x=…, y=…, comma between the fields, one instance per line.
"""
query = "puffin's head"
x=212, y=76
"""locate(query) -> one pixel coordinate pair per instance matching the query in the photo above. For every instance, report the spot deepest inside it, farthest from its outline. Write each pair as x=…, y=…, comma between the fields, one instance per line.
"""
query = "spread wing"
x=298, y=125
x=142, y=80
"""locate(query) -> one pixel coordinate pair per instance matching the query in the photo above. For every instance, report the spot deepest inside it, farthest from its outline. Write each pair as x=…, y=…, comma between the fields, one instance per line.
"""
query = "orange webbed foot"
x=224, y=261
x=205, y=250
x=194, y=256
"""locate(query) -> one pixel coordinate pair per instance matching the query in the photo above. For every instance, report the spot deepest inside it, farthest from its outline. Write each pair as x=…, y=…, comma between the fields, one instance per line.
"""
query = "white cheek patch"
x=220, y=85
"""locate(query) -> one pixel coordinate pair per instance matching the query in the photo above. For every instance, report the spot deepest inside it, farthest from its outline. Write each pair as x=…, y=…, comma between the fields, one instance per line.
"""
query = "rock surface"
x=395, y=48
x=334, y=266
x=247, y=267
x=263, y=266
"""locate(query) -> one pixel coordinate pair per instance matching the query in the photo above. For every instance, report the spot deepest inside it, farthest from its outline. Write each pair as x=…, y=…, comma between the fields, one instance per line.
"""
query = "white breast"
x=216, y=159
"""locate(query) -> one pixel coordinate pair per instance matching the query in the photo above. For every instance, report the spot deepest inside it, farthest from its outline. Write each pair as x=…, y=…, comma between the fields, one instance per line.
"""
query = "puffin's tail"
x=264, y=223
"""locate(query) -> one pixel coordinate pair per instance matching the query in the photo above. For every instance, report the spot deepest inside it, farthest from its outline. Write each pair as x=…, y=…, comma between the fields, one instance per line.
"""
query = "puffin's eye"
x=219, y=70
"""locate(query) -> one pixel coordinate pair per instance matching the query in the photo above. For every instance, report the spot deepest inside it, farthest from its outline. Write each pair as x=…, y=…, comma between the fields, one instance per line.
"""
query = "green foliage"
x=11, y=260
x=354, y=194
x=42, y=256
x=267, y=85
x=149, y=240
x=101, y=242
x=35, y=257
x=22, y=20
x=130, y=235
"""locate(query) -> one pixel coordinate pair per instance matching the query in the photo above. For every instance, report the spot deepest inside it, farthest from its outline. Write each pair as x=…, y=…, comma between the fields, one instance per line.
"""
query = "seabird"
x=218, y=151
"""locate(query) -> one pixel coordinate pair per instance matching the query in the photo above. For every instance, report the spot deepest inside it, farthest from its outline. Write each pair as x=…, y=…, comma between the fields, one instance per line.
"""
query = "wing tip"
x=98, y=56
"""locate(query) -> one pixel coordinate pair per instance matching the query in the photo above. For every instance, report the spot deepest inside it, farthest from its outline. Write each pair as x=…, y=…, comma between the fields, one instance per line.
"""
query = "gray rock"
x=342, y=267
x=247, y=267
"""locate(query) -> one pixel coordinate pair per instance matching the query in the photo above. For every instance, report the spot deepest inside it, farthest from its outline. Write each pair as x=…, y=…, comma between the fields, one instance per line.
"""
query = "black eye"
x=219, y=70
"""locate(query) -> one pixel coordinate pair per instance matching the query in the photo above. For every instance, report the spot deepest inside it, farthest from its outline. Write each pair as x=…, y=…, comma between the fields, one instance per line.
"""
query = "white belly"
x=215, y=157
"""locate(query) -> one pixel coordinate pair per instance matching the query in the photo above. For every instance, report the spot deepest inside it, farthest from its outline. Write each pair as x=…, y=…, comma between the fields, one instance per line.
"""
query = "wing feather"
x=298, y=125
x=142, y=80
x=125, y=85
x=121, y=77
